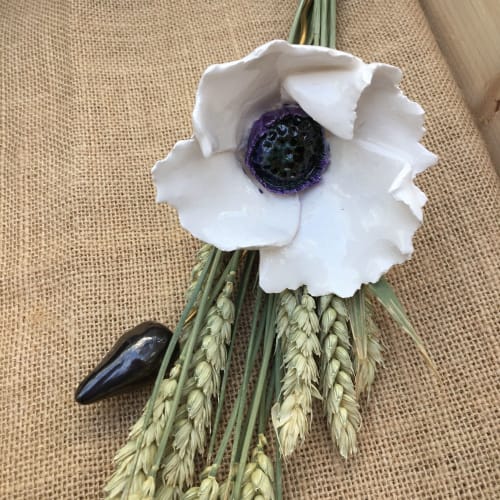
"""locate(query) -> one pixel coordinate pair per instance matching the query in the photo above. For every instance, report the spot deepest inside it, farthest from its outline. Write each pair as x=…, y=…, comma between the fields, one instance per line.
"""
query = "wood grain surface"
x=468, y=33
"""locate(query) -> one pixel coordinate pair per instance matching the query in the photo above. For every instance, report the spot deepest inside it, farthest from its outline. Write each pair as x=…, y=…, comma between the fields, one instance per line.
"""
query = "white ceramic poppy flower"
x=307, y=154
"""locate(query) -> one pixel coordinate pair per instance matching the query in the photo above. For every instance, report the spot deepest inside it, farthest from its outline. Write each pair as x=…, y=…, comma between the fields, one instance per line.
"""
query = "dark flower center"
x=287, y=151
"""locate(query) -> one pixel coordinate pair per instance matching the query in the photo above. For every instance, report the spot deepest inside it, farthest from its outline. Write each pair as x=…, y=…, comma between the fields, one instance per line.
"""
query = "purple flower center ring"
x=287, y=151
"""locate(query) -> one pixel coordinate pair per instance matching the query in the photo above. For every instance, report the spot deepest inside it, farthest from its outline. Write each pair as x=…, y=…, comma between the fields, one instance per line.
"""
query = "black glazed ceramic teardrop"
x=135, y=358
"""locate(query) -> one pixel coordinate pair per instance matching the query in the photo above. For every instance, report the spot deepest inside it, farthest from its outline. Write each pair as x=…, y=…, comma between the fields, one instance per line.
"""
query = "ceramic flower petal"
x=219, y=204
x=353, y=228
x=228, y=92
x=231, y=95
x=390, y=122
x=340, y=87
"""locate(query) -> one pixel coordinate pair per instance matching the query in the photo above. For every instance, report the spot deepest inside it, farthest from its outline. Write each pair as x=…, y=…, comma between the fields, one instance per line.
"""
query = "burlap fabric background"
x=92, y=94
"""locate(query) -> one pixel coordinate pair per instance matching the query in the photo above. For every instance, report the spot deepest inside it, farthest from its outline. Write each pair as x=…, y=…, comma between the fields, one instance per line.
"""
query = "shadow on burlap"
x=92, y=94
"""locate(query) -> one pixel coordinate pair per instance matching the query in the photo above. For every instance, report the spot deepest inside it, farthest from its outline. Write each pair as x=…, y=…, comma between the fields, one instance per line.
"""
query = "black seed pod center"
x=287, y=151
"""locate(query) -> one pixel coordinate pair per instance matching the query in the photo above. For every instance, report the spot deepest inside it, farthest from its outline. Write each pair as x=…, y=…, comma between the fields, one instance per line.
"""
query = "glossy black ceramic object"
x=135, y=358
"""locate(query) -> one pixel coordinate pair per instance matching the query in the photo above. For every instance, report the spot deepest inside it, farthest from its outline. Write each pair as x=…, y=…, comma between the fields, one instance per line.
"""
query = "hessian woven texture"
x=94, y=92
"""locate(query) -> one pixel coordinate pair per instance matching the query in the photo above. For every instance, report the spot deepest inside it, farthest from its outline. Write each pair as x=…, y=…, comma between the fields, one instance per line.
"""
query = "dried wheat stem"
x=194, y=415
x=299, y=328
x=336, y=375
x=126, y=458
x=365, y=368
x=258, y=478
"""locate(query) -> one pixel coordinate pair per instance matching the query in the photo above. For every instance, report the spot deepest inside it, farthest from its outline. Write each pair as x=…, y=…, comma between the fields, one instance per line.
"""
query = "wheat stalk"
x=194, y=415
x=336, y=375
x=133, y=463
x=298, y=329
x=258, y=478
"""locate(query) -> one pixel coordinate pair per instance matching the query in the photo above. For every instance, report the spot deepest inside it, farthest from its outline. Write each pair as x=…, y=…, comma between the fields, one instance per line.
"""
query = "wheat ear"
x=299, y=328
x=208, y=489
x=130, y=455
x=258, y=479
x=201, y=260
x=168, y=493
x=336, y=375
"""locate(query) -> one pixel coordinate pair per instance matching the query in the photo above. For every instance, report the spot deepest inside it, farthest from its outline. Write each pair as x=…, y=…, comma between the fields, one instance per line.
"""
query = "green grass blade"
x=387, y=297
x=356, y=307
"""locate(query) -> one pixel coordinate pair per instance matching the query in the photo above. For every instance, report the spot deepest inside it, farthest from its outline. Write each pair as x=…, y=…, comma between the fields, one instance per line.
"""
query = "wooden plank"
x=468, y=32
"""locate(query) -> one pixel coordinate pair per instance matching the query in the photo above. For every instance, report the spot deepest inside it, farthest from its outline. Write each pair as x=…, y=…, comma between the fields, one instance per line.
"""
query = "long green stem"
x=256, y=332
x=316, y=22
x=294, y=30
x=332, y=32
x=185, y=360
x=270, y=396
x=225, y=438
x=278, y=362
x=323, y=36
x=316, y=25
x=268, y=348
x=264, y=318
x=239, y=305
x=265, y=407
